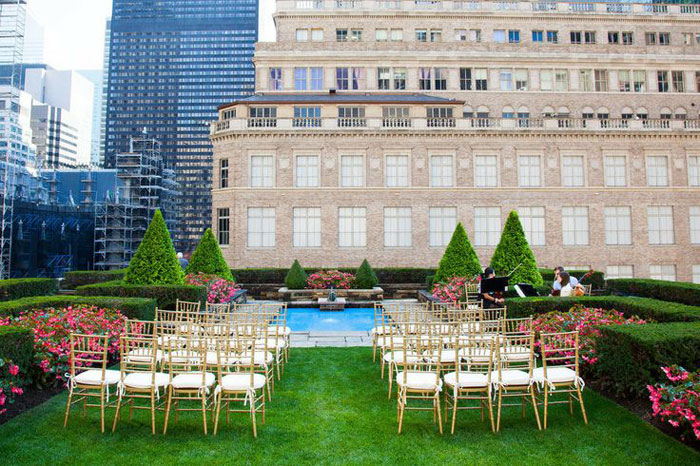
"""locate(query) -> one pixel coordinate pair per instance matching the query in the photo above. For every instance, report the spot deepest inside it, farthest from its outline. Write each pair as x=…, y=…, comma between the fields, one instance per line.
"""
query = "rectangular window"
x=397, y=227
x=307, y=117
x=486, y=171
x=440, y=79
x=650, y=38
x=475, y=35
x=352, y=227
x=275, y=79
x=601, y=80
x=640, y=81
x=662, y=272
x=465, y=79
x=660, y=225
x=262, y=174
x=615, y=171
x=694, y=171
x=440, y=117
x=627, y=38
x=399, y=78
x=533, y=222
x=574, y=223
x=575, y=37
x=481, y=79
x=589, y=37
x=696, y=274
x=396, y=171
x=521, y=80
x=529, y=171
x=300, y=79
x=396, y=117
x=302, y=35
x=224, y=224
x=613, y=37
x=619, y=271
x=356, y=35
x=677, y=80
x=307, y=171
x=499, y=36
x=553, y=37
x=421, y=35
x=436, y=35
x=461, y=35
x=424, y=79
x=350, y=78
x=352, y=171
x=664, y=38
x=316, y=79
x=694, y=213
x=261, y=227
x=223, y=173
x=657, y=171
x=443, y=221
x=513, y=36
x=662, y=80
x=384, y=79
x=351, y=117
x=506, y=78
x=546, y=80
x=538, y=36
x=561, y=80
x=441, y=171
x=316, y=35
x=307, y=227
x=572, y=171
x=585, y=78
x=624, y=81
x=381, y=35
x=618, y=225
x=396, y=35
x=341, y=35
x=487, y=226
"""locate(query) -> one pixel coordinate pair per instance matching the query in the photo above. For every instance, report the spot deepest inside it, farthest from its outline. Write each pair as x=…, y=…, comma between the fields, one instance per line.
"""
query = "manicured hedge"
x=17, y=345
x=597, y=279
x=679, y=292
x=77, y=278
x=646, y=308
x=385, y=275
x=134, y=308
x=630, y=357
x=16, y=288
x=165, y=295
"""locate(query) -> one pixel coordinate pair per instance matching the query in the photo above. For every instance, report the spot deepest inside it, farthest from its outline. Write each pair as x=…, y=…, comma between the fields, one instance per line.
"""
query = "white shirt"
x=566, y=290
x=572, y=280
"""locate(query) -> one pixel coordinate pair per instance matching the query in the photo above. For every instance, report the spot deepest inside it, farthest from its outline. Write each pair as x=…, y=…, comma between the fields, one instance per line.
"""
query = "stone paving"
x=313, y=339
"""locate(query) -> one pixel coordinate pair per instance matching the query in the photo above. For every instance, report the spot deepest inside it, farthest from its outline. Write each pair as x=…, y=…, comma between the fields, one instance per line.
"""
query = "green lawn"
x=331, y=407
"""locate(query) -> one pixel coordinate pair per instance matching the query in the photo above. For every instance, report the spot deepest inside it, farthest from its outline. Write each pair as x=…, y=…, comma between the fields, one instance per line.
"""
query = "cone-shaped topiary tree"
x=365, y=278
x=296, y=277
x=459, y=259
x=207, y=258
x=513, y=250
x=155, y=261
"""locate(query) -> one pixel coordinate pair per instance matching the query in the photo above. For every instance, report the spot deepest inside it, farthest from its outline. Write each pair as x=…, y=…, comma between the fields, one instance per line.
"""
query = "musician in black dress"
x=490, y=300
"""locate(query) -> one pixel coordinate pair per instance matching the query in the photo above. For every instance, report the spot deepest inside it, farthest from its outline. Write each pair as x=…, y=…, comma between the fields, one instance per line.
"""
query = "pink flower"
x=17, y=390
x=14, y=370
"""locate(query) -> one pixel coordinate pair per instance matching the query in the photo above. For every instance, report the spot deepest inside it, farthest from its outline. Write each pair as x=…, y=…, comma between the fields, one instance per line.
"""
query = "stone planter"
x=375, y=294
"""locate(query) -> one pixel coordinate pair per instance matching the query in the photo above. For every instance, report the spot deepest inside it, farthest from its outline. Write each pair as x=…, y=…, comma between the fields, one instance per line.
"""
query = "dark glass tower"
x=171, y=63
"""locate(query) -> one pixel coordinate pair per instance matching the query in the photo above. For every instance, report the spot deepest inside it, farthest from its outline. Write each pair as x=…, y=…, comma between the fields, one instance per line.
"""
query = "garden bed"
x=375, y=294
x=30, y=398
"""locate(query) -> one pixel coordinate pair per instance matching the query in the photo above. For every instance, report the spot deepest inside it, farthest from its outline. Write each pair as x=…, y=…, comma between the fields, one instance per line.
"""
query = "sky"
x=74, y=30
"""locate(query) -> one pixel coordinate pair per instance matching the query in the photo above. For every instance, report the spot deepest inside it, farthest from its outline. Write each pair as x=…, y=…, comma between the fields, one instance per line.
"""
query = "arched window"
x=680, y=114
x=467, y=112
x=665, y=113
x=587, y=112
x=523, y=117
x=508, y=112
x=548, y=112
x=627, y=113
x=642, y=113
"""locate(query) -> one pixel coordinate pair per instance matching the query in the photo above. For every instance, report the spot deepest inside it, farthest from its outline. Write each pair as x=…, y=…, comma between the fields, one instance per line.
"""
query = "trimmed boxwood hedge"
x=679, y=292
x=77, y=278
x=16, y=288
x=134, y=308
x=597, y=279
x=646, y=308
x=631, y=357
x=17, y=345
x=385, y=275
x=165, y=295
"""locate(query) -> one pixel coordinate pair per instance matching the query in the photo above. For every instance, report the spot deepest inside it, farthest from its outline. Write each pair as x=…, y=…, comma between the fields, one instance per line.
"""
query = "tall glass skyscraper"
x=171, y=63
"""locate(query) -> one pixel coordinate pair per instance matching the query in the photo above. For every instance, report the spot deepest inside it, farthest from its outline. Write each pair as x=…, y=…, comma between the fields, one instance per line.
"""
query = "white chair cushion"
x=554, y=375
x=419, y=380
x=213, y=359
x=398, y=357
x=94, y=377
x=515, y=353
x=143, y=380
x=193, y=380
x=144, y=355
x=386, y=342
x=381, y=330
x=278, y=343
x=260, y=357
x=241, y=382
x=513, y=377
x=467, y=380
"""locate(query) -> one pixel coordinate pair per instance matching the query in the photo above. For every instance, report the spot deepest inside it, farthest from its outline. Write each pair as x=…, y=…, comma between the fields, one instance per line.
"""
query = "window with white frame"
x=487, y=226
x=262, y=173
x=619, y=271
x=529, y=171
x=615, y=170
x=663, y=272
x=618, y=225
x=396, y=171
x=657, y=170
x=223, y=173
x=275, y=81
x=533, y=221
x=694, y=224
x=302, y=35
x=696, y=273
x=443, y=221
x=261, y=227
x=316, y=35
x=572, y=171
x=307, y=171
x=352, y=171
x=441, y=171
x=307, y=227
x=660, y=224
x=224, y=224
x=352, y=227
x=574, y=225
x=694, y=170
x=397, y=227
x=486, y=171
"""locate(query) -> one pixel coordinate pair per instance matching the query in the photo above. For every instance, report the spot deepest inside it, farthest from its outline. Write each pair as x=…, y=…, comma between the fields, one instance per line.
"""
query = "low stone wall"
x=375, y=294
x=271, y=291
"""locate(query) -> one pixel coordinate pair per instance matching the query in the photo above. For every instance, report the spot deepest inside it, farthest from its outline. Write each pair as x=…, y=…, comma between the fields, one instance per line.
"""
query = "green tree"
x=207, y=258
x=459, y=259
x=365, y=278
x=296, y=277
x=155, y=261
x=514, y=250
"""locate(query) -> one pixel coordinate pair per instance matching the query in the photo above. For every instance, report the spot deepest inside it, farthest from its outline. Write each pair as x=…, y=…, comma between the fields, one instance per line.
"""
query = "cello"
x=579, y=290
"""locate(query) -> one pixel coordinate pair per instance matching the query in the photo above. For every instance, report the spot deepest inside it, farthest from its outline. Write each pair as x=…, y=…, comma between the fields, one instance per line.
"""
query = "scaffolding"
x=113, y=235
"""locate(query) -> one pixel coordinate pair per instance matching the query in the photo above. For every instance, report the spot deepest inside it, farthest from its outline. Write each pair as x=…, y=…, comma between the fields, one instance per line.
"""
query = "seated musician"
x=556, y=286
x=565, y=285
x=489, y=300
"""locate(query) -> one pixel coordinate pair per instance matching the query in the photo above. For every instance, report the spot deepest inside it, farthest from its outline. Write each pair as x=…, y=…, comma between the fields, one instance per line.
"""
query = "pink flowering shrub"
x=585, y=320
x=219, y=290
x=678, y=402
x=330, y=278
x=52, y=328
x=453, y=290
x=10, y=384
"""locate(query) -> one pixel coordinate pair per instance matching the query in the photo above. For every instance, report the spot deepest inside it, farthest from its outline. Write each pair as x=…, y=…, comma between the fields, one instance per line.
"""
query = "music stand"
x=491, y=285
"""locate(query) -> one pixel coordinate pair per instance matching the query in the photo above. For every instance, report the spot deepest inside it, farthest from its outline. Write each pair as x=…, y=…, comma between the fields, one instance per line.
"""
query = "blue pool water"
x=352, y=319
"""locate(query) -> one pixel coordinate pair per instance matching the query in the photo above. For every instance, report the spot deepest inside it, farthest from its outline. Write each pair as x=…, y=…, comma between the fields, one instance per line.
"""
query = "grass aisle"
x=332, y=407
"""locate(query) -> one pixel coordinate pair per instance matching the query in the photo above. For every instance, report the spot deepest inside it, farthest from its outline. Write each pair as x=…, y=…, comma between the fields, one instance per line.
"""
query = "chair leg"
x=439, y=411
x=488, y=397
x=534, y=406
x=252, y=415
x=116, y=414
x=546, y=405
x=204, y=413
x=102, y=409
x=583, y=408
x=383, y=364
x=218, y=412
x=498, y=417
x=167, y=409
x=454, y=409
x=153, y=412
x=402, y=406
x=263, y=407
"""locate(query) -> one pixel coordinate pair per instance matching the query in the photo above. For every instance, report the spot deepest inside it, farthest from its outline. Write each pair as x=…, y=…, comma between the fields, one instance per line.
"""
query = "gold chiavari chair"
x=89, y=376
x=559, y=374
x=255, y=324
x=515, y=361
x=277, y=328
x=189, y=379
x=494, y=313
x=521, y=326
x=189, y=307
x=420, y=380
x=139, y=378
x=397, y=356
x=380, y=328
x=472, y=294
x=471, y=380
x=140, y=328
x=239, y=382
